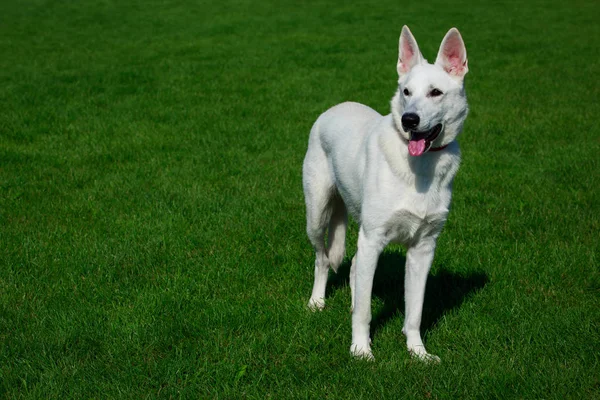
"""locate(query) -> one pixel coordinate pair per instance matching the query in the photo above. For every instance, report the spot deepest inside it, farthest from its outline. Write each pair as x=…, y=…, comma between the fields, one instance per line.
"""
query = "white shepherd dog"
x=394, y=175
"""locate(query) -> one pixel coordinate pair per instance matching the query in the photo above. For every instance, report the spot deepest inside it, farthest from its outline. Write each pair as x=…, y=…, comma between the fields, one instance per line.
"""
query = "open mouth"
x=420, y=142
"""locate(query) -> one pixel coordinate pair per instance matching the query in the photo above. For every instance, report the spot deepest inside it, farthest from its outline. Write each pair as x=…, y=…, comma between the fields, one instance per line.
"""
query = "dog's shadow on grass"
x=445, y=290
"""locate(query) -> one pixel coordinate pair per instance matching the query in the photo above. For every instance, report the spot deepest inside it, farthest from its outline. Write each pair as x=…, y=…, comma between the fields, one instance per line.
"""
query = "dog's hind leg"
x=318, y=214
x=325, y=208
x=317, y=298
x=336, y=234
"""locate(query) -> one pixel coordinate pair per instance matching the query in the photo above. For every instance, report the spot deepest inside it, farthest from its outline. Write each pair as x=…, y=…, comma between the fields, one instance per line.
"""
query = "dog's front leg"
x=418, y=264
x=369, y=248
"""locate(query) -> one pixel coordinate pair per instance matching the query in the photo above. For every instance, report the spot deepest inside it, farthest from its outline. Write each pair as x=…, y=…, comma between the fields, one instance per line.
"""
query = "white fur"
x=358, y=162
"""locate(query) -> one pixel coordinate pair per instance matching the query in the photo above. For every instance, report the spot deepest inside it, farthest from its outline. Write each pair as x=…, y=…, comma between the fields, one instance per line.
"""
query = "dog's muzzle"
x=420, y=142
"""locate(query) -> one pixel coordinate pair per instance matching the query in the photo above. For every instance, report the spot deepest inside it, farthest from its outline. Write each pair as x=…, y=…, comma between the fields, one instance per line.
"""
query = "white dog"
x=394, y=175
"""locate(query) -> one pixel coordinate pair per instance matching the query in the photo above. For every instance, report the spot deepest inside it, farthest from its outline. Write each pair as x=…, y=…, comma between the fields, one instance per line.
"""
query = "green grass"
x=152, y=236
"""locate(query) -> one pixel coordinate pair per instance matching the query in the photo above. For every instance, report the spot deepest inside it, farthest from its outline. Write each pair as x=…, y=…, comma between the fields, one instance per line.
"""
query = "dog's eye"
x=435, y=93
x=406, y=92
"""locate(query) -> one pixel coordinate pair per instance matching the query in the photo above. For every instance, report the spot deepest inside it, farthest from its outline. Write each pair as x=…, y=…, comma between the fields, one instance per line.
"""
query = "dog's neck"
x=421, y=171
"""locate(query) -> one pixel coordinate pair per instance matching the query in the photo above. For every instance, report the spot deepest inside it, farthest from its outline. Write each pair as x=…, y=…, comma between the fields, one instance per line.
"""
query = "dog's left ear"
x=452, y=56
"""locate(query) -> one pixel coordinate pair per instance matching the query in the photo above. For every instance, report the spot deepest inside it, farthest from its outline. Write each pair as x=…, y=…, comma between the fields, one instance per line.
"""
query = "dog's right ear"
x=409, y=54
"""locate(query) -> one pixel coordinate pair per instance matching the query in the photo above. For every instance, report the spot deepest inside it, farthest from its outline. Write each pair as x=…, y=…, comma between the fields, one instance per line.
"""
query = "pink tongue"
x=416, y=147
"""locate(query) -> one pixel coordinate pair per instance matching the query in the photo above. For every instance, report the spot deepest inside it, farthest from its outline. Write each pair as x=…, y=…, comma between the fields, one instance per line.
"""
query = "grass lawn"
x=152, y=232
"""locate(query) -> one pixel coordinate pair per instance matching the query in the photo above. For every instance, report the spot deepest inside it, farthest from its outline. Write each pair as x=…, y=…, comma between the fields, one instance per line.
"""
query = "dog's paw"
x=420, y=354
x=362, y=352
x=316, y=304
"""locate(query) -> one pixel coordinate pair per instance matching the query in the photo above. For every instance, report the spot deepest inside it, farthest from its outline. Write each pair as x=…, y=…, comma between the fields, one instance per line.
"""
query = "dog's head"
x=430, y=105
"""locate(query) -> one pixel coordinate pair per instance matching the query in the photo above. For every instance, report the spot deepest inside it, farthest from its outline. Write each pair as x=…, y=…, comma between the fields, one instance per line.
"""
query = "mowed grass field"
x=152, y=233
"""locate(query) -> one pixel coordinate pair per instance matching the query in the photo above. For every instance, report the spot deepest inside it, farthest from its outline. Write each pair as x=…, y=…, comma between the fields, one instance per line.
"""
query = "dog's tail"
x=336, y=239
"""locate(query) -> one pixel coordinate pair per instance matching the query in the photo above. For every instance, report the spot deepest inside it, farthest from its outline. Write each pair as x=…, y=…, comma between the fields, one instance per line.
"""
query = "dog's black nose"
x=410, y=121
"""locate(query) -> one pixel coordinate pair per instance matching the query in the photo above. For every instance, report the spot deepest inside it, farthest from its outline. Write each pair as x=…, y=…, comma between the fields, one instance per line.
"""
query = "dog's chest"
x=407, y=228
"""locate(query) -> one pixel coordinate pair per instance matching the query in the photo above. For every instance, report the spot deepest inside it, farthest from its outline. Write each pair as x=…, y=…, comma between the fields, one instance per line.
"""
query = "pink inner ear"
x=408, y=51
x=454, y=55
x=407, y=56
x=454, y=59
